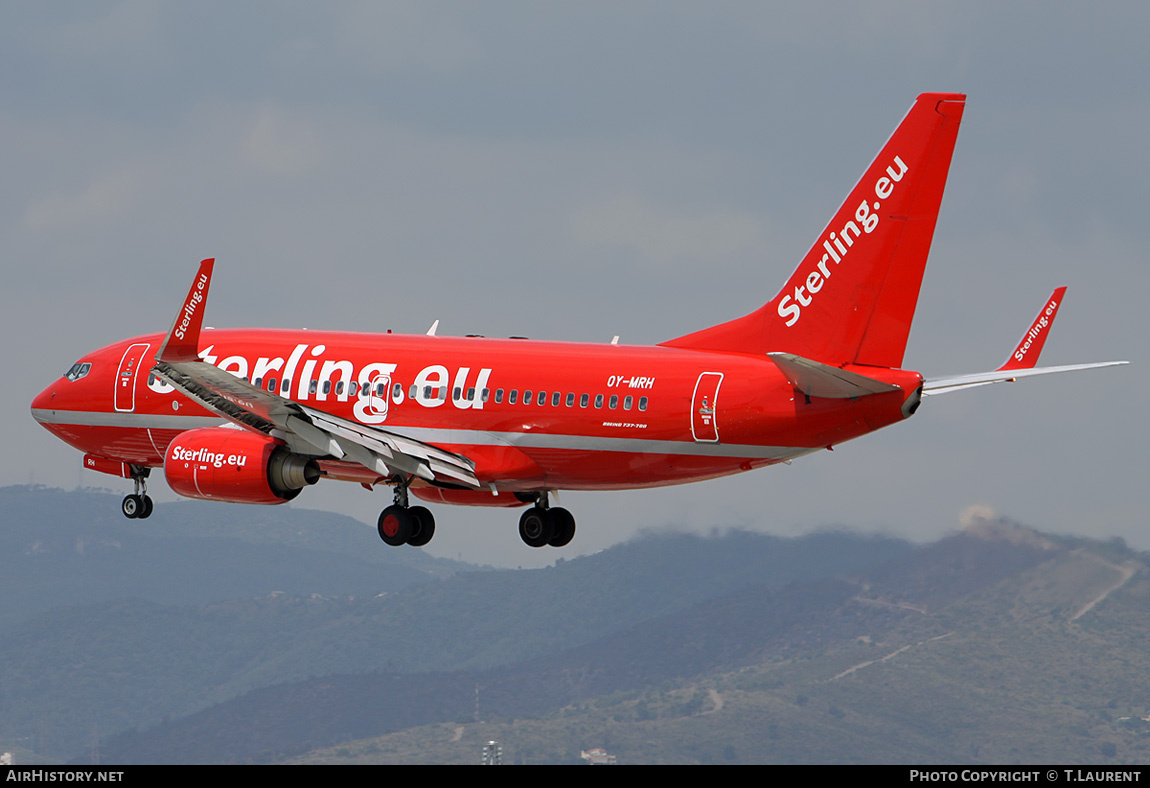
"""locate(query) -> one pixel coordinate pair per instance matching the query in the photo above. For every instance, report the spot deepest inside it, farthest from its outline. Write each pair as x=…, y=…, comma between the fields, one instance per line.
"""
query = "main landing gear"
x=138, y=506
x=401, y=524
x=540, y=526
x=544, y=525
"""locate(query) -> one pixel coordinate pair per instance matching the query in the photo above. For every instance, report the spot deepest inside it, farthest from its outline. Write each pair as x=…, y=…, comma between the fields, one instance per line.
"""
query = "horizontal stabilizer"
x=955, y=382
x=822, y=380
x=1021, y=363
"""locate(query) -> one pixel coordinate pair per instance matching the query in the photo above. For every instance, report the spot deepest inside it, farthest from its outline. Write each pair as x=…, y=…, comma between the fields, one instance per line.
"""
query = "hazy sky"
x=579, y=170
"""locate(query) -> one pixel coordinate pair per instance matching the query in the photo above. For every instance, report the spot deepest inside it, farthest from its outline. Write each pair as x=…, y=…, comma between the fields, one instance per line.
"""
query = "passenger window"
x=583, y=400
x=471, y=394
x=542, y=398
x=627, y=402
x=427, y=392
x=327, y=387
x=339, y=389
x=527, y=397
x=271, y=384
x=511, y=398
x=642, y=403
x=498, y=395
x=598, y=400
x=286, y=387
x=614, y=401
x=414, y=392
x=555, y=399
x=455, y=394
x=258, y=383
x=312, y=387
x=570, y=400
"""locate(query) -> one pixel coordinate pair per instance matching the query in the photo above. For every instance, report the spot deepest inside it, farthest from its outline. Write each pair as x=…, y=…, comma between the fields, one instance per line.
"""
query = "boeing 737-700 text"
x=254, y=416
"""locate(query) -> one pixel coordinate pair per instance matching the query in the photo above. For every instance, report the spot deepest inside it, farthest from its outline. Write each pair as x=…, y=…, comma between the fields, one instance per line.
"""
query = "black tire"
x=562, y=527
x=535, y=527
x=422, y=526
x=146, y=511
x=395, y=525
x=131, y=506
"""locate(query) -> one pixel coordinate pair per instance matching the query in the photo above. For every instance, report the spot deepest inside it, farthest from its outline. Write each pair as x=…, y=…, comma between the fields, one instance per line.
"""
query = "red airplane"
x=256, y=415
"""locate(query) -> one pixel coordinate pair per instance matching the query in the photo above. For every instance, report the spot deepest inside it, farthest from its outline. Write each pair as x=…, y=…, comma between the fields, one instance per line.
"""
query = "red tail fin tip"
x=183, y=339
x=1025, y=356
x=853, y=296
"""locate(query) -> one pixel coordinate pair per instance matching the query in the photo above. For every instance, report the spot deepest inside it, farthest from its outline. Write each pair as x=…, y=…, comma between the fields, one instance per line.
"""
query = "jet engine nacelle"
x=221, y=464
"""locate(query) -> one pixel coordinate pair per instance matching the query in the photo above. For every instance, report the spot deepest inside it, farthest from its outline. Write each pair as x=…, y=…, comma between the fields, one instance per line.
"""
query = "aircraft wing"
x=305, y=429
x=1021, y=363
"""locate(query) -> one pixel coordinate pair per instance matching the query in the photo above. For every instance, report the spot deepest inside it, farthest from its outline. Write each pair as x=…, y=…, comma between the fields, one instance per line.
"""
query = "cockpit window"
x=77, y=371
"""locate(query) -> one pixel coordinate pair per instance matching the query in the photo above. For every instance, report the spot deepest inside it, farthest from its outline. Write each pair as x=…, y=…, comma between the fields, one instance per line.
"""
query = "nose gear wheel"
x=138, y=506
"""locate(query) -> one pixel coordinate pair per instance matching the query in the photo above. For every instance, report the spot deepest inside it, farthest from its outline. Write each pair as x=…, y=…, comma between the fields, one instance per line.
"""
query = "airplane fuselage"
x=532, y=415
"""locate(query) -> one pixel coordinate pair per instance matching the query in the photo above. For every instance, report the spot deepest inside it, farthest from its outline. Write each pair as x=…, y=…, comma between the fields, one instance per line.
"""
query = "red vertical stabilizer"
x=852, y=298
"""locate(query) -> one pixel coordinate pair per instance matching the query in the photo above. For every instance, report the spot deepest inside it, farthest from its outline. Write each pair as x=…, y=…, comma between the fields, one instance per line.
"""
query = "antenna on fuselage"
x=431, y=331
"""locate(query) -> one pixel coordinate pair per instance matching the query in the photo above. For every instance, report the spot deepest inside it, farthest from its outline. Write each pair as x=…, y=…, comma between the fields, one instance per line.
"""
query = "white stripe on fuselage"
x=545, y=440
x=154, y=421
x=454, y=437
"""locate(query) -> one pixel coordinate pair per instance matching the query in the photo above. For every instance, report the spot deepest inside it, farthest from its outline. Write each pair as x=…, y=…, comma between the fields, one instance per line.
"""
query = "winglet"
x=183, y=340
x=1022, y=361
x=1025, y=356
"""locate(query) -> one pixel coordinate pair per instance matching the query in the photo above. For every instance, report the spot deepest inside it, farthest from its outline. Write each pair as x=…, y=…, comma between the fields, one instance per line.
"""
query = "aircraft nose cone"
x=45, y=400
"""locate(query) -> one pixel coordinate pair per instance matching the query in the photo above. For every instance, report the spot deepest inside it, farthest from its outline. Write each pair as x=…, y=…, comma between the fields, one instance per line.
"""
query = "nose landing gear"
x=138, y=506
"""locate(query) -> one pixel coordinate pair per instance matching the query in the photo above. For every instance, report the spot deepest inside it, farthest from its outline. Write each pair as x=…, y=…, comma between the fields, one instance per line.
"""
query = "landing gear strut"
x=401, y=524
x=543, y=524
x=138, y=506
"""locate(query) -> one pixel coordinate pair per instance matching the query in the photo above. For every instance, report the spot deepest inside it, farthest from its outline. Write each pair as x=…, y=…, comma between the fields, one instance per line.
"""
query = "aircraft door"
x=378, y=397
x=125, y=395
x=704, y=427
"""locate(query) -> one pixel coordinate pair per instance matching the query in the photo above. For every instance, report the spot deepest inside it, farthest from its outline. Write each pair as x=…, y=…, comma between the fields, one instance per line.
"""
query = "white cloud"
x=664, y=236
x=279, y=143
x=109, y=195
x=404, y=36
x=126, y=24
x=975, y=514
